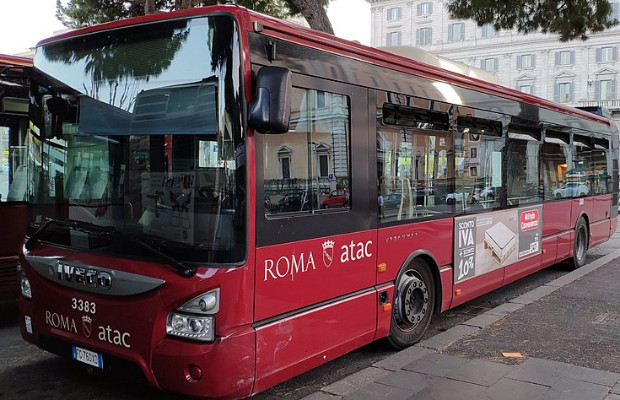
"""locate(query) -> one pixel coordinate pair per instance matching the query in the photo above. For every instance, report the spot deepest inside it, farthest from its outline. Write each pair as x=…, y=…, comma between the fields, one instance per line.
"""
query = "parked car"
x=336, y=198
x=486, y=193
x=296, y=201
x=572, y=189
x=392, y=201
x=457, y=197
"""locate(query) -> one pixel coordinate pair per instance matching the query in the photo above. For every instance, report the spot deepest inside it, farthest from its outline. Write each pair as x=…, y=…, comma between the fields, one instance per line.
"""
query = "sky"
x=24, y=22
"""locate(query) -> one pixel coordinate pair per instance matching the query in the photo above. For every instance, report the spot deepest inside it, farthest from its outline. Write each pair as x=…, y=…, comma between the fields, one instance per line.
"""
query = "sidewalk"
x=568, y=332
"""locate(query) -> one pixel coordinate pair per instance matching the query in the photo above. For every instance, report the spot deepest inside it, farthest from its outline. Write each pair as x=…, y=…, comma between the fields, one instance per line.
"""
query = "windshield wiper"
x=184, y=270
x=33, y=241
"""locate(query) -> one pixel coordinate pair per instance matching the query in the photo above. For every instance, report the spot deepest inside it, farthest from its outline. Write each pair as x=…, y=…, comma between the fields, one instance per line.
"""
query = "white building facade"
x=577, y=73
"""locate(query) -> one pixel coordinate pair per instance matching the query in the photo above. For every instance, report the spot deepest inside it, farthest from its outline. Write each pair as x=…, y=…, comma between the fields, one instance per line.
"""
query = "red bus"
x=13, y=128
x=179, y=164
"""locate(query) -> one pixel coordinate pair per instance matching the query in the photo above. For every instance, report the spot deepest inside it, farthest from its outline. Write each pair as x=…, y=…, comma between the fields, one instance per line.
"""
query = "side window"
x=588, y=173
x=522, y=178
x=554, y=157
x=308, y=168
x=413, y=162
x=600, y=165
x=478, y=164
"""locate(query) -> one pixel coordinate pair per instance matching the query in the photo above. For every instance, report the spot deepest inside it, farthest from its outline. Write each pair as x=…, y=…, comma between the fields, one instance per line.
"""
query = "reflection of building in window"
x=284, y=157
x=322, y=155
x=473, y=171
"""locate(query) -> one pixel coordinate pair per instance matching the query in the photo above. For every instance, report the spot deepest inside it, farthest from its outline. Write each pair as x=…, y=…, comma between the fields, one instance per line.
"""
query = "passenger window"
x=522, y=178
x=414, y=162
x=308, y=168
x=588, y=173
x=478, y=164
x=554, y=156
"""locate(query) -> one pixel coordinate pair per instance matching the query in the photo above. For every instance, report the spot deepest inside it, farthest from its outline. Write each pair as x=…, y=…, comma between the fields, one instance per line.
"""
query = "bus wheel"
x=581, y=244
x=414, y=302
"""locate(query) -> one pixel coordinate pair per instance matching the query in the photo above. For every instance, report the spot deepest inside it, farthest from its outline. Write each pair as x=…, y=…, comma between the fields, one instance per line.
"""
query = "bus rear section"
x=13, y=176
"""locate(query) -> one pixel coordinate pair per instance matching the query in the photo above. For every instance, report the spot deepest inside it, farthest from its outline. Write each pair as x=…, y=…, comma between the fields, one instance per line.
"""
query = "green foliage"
x=571, y=19
x=81, y=13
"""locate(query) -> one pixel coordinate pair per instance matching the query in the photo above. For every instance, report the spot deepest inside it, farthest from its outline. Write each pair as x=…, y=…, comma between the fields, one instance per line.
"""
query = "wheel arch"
x=586, y=219
x=430, y=260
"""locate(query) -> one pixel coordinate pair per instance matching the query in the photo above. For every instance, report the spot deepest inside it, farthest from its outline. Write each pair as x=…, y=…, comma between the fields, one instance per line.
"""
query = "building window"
x=489, y=31
x=311, y=160
x=284, y=157
x=425, y=9
x=526, y=61
x=615, y=11
x=606, y=54
x=565, y=57
x=394, y=13
x=526, y=88
x=563, y=92
x=489, y=64
x=473, y=152
x=605, y=89
x=393, y=39
x=423, y=36
x=456, y=32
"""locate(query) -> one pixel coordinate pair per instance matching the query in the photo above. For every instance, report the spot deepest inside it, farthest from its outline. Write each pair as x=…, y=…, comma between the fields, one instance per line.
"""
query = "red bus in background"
x=13, y=128
x=179, y=168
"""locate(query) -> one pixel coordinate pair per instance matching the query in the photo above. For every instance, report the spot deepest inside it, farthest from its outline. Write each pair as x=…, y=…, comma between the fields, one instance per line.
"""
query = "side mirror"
x=270, y=111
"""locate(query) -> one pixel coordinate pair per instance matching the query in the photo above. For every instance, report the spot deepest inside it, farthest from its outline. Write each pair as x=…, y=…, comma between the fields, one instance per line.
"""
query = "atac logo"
x=328, y=253
x=86, y=325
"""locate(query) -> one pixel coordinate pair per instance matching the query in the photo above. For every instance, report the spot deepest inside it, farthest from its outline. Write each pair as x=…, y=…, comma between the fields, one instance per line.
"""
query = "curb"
x=437, y=343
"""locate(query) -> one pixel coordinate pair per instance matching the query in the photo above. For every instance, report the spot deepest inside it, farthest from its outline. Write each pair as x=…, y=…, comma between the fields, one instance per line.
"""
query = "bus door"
x=316, y=246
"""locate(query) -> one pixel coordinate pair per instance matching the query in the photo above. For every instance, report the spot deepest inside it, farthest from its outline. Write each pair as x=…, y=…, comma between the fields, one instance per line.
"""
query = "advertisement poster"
x=486, y=242
x=169, y=205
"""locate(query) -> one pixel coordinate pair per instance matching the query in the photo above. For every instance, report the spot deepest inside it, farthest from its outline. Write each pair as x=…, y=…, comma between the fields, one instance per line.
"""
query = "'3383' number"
x=83, y=305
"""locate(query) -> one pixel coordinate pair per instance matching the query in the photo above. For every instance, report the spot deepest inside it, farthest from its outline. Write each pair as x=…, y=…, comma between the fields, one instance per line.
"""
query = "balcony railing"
x=611, y=105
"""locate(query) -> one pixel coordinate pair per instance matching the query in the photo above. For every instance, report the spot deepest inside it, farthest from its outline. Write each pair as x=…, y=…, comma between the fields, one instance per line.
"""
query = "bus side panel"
x=384, y=308
x=522, y=268
x=472, y=288
x=14, y=217
x=565, y=245
x=290, y=346
x=580, y=206
x=447, y=276
x=555, y=218
x=601, y=208
x=549, y=251
x=599, y=232
x=397, y=243
x=295, y=275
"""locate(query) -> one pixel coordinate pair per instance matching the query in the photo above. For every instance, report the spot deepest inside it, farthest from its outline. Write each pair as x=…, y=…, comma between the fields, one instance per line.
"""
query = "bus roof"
x=6, y=60
x=299, y=34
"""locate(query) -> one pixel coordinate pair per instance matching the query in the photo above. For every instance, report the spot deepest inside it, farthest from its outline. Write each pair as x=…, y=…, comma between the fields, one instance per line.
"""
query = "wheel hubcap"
x=411, y=302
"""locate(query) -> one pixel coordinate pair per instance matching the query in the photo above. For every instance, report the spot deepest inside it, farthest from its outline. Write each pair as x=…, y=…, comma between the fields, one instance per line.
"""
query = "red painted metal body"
x=290, y=307
x=13, y=214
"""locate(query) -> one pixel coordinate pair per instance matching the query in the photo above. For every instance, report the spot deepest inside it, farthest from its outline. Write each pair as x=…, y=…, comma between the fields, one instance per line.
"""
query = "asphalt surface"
x=558, y=341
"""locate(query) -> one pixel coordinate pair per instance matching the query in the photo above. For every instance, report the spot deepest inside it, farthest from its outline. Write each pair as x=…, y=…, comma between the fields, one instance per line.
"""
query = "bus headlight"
x=24, y=283
x=195, y=319
x=195, y=327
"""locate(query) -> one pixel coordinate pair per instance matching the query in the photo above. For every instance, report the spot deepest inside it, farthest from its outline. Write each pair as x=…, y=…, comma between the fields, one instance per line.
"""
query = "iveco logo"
x=83, y=276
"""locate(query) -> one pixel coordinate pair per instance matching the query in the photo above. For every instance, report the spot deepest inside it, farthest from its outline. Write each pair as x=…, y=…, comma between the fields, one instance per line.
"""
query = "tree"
x=80, y=13
x=571, y=19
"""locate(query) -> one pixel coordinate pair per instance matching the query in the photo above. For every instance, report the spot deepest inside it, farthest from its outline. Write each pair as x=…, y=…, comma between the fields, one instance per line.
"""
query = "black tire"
x=413, y=306
x=581, y=244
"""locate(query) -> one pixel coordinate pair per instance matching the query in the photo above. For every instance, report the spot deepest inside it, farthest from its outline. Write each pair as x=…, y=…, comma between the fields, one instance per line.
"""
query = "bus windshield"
x=138, y=130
